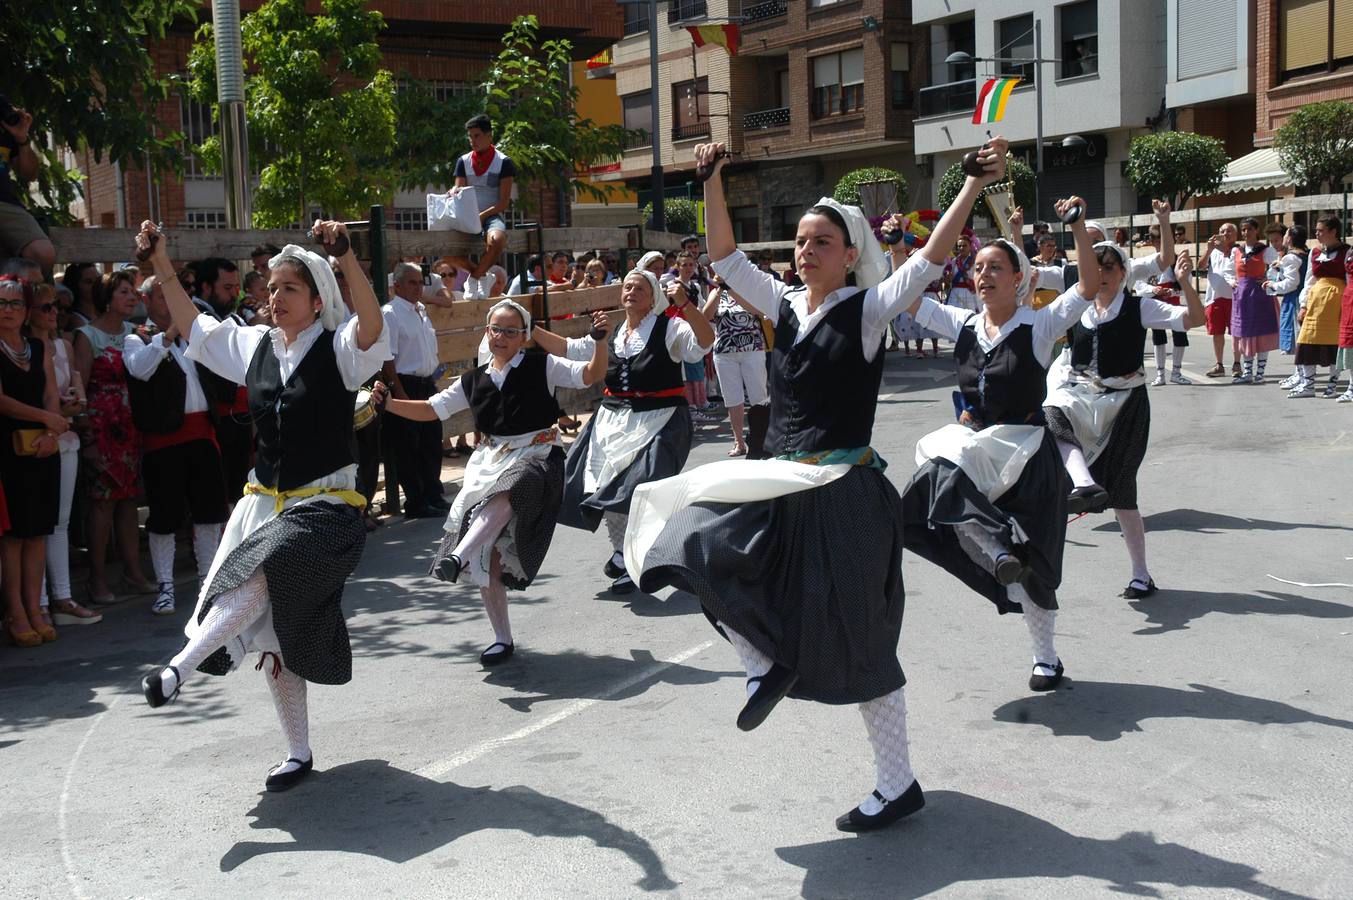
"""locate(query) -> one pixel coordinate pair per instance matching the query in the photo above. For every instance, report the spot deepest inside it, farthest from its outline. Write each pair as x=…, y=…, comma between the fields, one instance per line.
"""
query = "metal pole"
x=659, y=214
x=230, y=99
x=376, y=235
x=1038, y=100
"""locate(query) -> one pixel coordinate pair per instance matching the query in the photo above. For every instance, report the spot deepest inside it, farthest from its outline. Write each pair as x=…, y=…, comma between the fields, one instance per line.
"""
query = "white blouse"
x=682, y=344
x=227, y=348
x=559, y=373
x=1049, y=323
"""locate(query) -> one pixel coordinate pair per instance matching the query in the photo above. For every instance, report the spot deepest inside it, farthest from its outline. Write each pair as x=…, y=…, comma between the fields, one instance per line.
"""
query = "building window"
x=899, y=75
x=690, y=109
x=1305, y=29
x=204, y=218
x=746, y=223
x=680, y=10
x=636, y=18
x=197, y=127
x=409, y=218
x=782, y=88
x=638, y=109
x=784, y=222
x=838, y=83
x=1078, y=24
x=1015, y=38
x=961, y=37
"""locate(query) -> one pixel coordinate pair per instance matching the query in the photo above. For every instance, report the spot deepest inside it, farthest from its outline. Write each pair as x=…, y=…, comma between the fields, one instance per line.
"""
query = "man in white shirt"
x=414, y=447
x=1221, y=283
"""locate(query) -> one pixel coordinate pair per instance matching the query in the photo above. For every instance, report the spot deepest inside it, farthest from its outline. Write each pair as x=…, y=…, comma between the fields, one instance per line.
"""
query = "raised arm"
x=364, y=302
x=1167, y=252
x=718, y=226
x=181, y=309
x=945, y=234
x=1183, y=270
x=1087, y=264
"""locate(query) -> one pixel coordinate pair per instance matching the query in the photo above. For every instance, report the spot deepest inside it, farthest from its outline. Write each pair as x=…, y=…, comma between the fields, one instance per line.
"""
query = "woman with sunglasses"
x=43, y=316
x=502, y=521
x=1097, y=405
x=30, y=424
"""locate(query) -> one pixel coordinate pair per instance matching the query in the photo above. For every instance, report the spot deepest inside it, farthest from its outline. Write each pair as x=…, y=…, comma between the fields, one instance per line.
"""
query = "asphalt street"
x=1202, y=745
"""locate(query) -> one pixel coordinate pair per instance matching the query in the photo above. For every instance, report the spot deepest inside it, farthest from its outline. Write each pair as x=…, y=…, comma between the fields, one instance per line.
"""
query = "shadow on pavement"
x=1173, y=610
x=1105, y=710
x=571, y=675
x=647, y=606
x=960, y=839
x=1207, y=522
x=371, y=807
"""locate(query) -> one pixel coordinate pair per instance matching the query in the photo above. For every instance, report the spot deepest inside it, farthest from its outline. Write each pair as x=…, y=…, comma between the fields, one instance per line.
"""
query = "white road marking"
x=440, y=768
x=1304, y=584
x=62, y=831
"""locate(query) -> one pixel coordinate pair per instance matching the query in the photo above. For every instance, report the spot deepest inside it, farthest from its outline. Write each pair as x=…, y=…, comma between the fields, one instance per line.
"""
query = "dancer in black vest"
x=502, y=521
x=276, y=585
x=171, y=410
x=798, y=559
x=1097, y=406
x=988, y=503
x=642, y=432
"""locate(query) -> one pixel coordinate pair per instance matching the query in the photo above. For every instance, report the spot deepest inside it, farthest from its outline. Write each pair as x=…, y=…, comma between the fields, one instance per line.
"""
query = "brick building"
x=444, y=42
x=1304, y=54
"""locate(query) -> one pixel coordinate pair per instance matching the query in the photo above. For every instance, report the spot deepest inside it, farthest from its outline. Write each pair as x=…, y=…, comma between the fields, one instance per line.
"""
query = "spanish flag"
x=992, y=99
x=601, y=60
x=726, y=36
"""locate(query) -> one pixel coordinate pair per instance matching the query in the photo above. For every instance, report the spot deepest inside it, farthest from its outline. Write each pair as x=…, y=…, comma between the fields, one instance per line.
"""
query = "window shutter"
x=1343, y=29
x=1206, y=37
x=1304, y=33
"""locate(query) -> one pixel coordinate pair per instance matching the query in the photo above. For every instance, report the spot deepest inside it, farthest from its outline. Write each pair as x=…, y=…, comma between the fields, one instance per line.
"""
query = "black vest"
x=823, y=392
x=525, y=403
x=220, y=391
x=649, y=371
x=1115, y=347
x=157, y=402
x=1006, y=386
x=305, y=425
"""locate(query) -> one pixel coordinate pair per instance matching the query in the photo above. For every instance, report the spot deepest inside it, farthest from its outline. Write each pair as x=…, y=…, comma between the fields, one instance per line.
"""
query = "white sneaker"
x=164, y=603
x=1330, y=391
x=1346, y=396
x=1177, y=377
x=1305, y=389
x=1290, y=382
x=1258, y=379
x=1241, y=379
x=1160, y=378
x=474, y=289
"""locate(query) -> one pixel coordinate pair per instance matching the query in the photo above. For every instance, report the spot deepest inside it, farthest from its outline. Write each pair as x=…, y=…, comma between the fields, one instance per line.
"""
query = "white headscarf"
x=1092, y=225
x=1025, y=270
x=1123, y=257
x=659, y=296
x=870, y=267
x=647, y=260
x=512, y=305
x=333, y=312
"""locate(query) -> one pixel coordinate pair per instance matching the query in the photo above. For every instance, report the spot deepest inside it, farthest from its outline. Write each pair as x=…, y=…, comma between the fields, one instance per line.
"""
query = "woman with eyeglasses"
x=276, y=583
x=501, y=524
x=1097, y=405
x=43, y=314
x=30, y=426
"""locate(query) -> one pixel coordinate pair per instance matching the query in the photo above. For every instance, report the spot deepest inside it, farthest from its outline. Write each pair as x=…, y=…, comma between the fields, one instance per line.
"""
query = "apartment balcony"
x=766, y=118
x=756, y=13
x=690, y=132
x=947, y=99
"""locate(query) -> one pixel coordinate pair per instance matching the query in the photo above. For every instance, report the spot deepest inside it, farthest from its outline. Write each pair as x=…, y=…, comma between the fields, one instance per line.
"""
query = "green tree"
x=1315, y=145
x=679, y=212
x=321, y=111
x=82, y=69
x=951, y=182
x=1176, y=165
x=847, y=189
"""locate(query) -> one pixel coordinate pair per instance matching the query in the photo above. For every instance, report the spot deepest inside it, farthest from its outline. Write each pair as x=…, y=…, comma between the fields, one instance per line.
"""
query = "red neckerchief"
x=481, y=161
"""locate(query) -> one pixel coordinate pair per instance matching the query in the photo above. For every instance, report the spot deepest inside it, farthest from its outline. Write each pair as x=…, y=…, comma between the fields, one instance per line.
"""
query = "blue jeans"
x=493, y=222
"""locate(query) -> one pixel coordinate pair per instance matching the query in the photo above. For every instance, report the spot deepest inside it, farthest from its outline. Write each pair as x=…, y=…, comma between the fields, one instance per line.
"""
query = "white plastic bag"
x=456, y=211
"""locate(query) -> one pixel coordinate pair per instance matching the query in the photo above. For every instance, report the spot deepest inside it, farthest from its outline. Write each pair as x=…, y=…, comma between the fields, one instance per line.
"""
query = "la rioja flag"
x=992, y=99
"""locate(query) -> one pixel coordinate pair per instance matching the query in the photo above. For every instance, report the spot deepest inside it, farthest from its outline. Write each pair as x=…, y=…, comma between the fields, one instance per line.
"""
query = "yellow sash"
x=352, y=498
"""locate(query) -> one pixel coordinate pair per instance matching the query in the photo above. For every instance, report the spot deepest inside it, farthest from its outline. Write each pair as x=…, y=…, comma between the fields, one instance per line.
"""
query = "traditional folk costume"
x=276, y=584
x=642, y=431
x=1098, y=410
x=988, y=503
x=1286, y=278
x=1327, y=278
x=959, y=275
x=1254, y=313
x=797, y=560
x=1343, y=360
x=502, y=521
x=1165, y=279
x=170, y=409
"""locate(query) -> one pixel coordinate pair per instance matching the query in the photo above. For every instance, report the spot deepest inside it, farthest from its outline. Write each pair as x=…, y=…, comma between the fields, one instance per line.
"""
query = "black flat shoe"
x=909, y=802
x=440, y=504
x=449, y=569
x=623, y=585
x=611, y=569
x=153, y=687
x=422, y=512
x=492, y=657
x=1132, y=592
x=1046, y=682
x=1009, y=570
x=771, y=688
x=1089, y=499
x=285, y=781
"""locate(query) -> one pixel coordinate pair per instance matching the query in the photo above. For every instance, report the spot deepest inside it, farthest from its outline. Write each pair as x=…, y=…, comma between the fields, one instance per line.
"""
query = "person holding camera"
x=20, y=234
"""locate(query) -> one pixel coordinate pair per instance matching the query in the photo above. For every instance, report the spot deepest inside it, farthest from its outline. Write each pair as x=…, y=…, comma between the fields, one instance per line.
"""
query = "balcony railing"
x=766, y=118
x=753, y=13
x=690, y=132
x=940, y=99
x=635, y=141
x=681, y=10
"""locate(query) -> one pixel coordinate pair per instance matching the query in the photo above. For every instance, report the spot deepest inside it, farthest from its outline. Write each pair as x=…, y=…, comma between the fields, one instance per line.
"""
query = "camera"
x=9, y=113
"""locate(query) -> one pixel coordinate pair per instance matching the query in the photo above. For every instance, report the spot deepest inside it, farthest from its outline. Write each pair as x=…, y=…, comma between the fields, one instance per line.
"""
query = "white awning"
x=1255, y=171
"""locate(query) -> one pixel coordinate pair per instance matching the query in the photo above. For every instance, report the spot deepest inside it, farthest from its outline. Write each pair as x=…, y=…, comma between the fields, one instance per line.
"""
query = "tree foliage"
x=847, y=189
x=82, y=69
x=951, y=182
x=679, y=212
x=1315, y=145
x=1176, y=165
x=321, y=110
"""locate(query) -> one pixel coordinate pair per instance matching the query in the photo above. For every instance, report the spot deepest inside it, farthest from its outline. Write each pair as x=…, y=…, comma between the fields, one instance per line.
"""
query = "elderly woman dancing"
x=501, y=524
x=276, y=584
